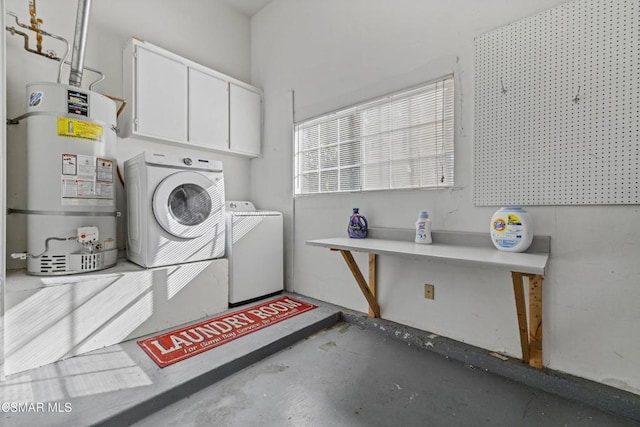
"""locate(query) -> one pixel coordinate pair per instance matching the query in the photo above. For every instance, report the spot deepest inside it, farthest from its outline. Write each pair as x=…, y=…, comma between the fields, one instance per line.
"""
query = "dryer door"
x=188, y=205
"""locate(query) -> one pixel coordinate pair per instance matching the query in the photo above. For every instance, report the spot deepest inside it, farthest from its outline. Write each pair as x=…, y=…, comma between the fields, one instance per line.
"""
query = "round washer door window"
x=190, y=204
x=187, y=205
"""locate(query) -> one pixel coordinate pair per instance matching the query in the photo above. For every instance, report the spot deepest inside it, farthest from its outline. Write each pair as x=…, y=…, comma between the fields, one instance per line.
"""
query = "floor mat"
x=174, y=346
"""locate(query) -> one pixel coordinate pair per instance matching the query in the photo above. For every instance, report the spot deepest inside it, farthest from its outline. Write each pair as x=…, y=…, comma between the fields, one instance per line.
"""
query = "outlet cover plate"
x=428, y=291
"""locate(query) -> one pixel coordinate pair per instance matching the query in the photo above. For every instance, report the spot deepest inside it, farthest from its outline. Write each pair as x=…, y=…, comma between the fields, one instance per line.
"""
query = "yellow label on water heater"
x=79, y=129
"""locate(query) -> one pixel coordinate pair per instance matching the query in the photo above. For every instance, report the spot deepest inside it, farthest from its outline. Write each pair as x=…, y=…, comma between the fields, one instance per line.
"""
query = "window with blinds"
x=404, y=140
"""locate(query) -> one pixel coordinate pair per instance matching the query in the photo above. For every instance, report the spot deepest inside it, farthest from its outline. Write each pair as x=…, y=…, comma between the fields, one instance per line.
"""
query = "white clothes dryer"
x=255, y=252
x=175, y=209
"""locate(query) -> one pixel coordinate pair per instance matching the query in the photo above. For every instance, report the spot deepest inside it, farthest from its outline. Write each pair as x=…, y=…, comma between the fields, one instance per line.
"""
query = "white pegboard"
x=535, y=142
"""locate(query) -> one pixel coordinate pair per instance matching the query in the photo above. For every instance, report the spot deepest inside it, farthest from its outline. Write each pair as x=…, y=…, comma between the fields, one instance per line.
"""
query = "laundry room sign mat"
x=174, y=346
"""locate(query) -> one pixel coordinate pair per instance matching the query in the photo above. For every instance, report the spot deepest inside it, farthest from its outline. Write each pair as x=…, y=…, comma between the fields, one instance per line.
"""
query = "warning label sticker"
x=87, y=181
x=75, y=128
x=86, y=166
x=104, y=168
x=104, y=190
x=69, y=164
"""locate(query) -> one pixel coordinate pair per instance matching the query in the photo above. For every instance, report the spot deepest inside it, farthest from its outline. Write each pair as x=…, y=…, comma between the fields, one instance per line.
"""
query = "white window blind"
x=404, y=140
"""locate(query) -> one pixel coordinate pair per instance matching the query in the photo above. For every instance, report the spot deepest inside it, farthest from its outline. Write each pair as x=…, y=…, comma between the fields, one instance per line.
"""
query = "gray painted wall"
x=335, y=53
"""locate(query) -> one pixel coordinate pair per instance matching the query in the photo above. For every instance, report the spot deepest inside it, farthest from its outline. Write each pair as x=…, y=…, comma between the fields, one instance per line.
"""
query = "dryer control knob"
x=187, y=161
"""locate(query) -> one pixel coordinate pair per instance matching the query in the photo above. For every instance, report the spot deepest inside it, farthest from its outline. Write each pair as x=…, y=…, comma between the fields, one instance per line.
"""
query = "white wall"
x=3, y=159
x=334, y=53
x=207, y=31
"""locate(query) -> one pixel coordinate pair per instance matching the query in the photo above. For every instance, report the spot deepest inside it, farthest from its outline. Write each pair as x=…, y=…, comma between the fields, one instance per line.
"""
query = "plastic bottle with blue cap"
x=423, y=228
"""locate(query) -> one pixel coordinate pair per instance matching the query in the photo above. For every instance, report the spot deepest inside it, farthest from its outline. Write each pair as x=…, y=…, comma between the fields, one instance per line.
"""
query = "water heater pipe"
x=50, y=54
x=77, y=55
x=35, y=24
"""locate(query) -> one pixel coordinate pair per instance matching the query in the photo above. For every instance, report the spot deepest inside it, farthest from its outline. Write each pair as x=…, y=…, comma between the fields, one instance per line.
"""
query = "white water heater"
x=71, y=168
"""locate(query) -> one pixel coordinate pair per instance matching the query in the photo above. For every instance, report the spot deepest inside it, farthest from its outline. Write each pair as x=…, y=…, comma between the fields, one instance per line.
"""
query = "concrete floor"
x=350, y=376
x=120, y=384
x=360, y=371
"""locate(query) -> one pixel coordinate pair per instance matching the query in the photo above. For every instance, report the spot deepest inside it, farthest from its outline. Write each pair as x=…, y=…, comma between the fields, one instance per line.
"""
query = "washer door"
x=187, y=205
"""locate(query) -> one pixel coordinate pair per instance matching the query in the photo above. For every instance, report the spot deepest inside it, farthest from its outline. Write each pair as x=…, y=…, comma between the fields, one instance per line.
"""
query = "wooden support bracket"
x=531, y=336
x=535, y=321
x=526, y=270
x=372, y=281
x=374, y=308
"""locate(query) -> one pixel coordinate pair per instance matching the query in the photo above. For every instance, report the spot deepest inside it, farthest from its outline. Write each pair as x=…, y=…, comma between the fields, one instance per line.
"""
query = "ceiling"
x=248, y=7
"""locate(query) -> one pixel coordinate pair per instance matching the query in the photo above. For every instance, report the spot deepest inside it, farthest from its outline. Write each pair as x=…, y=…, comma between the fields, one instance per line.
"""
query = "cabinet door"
x=208, y=110
x=161, y=96
x=245, y=120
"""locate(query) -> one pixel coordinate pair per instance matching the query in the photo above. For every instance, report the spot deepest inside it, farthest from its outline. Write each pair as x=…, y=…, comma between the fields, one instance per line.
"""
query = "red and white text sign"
x=181, y=344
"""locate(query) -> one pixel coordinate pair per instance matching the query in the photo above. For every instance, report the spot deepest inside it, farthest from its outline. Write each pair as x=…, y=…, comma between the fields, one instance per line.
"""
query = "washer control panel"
x=239, y=206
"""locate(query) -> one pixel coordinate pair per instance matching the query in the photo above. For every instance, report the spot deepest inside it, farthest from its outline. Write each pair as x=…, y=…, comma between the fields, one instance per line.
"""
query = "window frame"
x=444, y=110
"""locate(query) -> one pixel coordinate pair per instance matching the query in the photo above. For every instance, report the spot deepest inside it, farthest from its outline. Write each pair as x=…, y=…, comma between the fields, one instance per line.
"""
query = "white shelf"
x=530, y=263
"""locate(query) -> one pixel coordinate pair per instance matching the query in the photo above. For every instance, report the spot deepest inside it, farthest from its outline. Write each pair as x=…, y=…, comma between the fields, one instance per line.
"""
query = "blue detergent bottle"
x=357, y=225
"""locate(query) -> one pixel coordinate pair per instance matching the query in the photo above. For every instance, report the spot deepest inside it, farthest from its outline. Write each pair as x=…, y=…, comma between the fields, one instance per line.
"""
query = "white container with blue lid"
x=511, y=229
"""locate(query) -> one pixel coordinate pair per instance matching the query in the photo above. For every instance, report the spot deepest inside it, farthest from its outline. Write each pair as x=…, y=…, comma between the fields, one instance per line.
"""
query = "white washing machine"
x=255, y=252
x=175, y=209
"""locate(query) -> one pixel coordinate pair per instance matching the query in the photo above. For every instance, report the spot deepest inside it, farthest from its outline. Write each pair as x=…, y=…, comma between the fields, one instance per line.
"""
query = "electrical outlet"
x=428, y=291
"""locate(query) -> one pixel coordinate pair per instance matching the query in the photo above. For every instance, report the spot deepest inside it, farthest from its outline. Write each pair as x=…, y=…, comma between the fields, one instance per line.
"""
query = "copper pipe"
x=41, y=31
x=35, y=24
x=51, y=55
x=122, y=101
x=14, y=31
x=120, y=178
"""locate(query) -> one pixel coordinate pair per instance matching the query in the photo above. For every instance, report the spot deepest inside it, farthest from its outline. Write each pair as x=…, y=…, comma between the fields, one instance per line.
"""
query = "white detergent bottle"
x=423, y=228
x=511, y=229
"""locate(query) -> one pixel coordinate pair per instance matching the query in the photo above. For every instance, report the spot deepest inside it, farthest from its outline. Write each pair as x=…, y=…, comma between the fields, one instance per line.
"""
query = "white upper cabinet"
x=245, y=106
x=160, y=96
x=177, y=100
x=208, y=110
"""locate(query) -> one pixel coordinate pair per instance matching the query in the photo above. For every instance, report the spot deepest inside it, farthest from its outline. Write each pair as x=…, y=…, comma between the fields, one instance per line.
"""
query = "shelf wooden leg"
x=535, y=320
x=521, y=310
x=357, y=274
x=531, y=336
x=372, y=281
